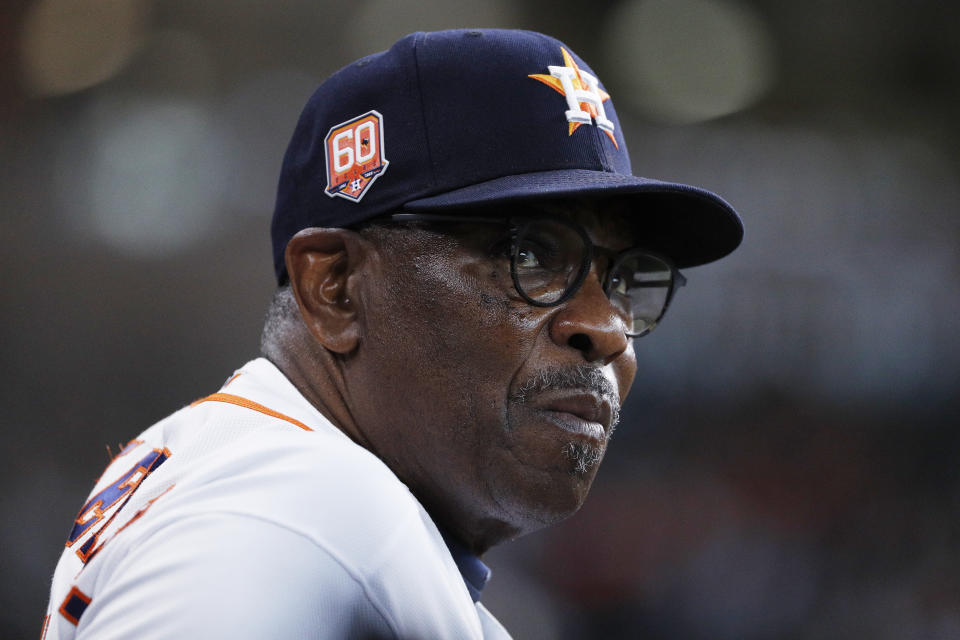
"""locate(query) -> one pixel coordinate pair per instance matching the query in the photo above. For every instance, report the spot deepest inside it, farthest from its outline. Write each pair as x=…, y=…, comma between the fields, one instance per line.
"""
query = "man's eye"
x=618, y=284
x=526, y=258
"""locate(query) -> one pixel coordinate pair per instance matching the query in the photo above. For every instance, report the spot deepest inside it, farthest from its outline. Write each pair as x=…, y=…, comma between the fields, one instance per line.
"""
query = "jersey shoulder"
x=256, y=455
x=321, y=485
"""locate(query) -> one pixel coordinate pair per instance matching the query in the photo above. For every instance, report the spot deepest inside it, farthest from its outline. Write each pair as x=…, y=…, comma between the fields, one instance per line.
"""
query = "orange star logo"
x=584, y=96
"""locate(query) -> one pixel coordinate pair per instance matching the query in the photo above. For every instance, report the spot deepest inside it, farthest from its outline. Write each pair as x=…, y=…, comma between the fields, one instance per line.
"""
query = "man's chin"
x=584, y=457
x=534, y=503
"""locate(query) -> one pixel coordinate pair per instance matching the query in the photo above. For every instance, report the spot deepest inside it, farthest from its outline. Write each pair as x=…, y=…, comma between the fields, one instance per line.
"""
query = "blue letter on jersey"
x=92, y=512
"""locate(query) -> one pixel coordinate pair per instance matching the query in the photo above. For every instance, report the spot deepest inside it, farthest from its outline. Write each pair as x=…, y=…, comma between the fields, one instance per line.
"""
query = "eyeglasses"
x=550, y=259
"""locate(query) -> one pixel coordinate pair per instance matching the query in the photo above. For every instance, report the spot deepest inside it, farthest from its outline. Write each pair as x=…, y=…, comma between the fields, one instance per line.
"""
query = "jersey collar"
x=474, y=572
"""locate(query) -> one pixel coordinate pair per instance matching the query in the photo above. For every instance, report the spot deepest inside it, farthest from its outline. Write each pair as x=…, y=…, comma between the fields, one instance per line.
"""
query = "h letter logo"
x=575, y=97
x=584, y=96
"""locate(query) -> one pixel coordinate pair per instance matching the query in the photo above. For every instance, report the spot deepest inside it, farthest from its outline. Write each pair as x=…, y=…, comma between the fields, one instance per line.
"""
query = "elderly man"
x=464, y=261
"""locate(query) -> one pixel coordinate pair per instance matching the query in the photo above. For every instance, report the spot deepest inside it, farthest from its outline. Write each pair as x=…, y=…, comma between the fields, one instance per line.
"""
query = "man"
x=464, y=260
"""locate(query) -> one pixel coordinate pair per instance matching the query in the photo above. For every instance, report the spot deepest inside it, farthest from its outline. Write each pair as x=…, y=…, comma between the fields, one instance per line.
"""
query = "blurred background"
x=787, y=467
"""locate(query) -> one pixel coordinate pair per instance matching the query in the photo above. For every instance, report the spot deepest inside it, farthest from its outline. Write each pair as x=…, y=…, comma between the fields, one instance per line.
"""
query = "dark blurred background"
x=787, y=465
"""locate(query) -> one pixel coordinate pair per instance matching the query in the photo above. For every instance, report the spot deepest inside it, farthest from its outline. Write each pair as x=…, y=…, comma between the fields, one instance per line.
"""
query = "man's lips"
x=577, y=411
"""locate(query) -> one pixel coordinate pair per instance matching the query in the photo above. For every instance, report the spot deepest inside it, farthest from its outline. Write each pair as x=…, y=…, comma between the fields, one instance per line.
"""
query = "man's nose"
x=589, y=323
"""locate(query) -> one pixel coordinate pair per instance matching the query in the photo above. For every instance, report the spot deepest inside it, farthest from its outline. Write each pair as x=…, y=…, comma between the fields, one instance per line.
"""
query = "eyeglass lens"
x=550, y=258
x=640, y=285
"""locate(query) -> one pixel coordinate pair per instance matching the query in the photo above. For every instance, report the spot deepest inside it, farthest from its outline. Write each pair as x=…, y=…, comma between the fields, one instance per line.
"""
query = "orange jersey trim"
x=249, y=404
x=232, y=378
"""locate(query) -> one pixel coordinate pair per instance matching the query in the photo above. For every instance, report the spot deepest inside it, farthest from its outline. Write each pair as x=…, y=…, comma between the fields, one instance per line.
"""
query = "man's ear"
x=320, y=263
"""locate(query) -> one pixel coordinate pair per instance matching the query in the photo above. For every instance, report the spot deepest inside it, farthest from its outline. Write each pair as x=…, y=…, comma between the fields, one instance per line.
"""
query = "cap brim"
x=691, y=226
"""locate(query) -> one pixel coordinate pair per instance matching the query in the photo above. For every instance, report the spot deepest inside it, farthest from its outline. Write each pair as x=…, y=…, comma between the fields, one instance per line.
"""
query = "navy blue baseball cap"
x=454, y=120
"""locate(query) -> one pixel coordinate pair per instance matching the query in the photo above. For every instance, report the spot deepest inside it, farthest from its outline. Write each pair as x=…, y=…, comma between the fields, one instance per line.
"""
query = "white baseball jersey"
x=249, y=515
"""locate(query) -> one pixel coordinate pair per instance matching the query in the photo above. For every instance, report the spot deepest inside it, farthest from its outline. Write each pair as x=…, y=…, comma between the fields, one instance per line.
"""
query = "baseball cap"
x=453, y=120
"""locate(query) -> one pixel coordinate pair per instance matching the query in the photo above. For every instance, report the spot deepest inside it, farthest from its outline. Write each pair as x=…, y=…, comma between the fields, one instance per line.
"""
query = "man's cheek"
x=623, y=371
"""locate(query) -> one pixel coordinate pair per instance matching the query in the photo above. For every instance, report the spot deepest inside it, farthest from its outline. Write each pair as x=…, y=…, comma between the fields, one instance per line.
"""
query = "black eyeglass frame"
x=517, y=225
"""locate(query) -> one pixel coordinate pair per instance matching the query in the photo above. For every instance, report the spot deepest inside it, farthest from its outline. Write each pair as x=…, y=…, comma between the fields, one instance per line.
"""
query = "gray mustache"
x=582, y=377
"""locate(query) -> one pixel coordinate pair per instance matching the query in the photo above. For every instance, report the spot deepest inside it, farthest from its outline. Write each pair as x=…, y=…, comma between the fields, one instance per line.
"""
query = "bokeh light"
x=69, y=45
x=685, y=61
x=144, y=176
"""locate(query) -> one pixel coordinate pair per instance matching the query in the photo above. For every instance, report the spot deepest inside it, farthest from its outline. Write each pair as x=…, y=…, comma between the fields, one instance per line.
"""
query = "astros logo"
x=354, y=151
x=584, y=96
